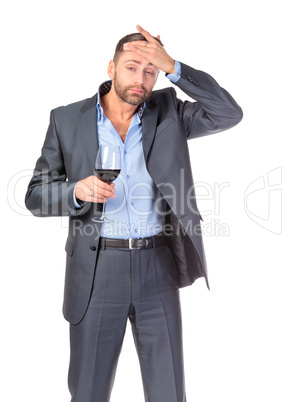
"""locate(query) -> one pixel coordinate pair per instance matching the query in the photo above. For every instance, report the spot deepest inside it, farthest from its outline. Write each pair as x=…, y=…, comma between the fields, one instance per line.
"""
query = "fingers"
x=142, y=48
x=137, y=43
x=92, y=189
x=154, y=53
x=103, y=190
x=146, y=34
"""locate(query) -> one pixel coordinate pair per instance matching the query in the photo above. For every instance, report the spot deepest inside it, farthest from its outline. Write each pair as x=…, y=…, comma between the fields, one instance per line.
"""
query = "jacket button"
x=193, y=80
x=93, y=248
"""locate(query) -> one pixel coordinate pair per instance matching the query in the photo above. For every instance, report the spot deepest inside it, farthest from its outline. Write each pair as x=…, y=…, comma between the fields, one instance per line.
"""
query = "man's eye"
x=131, y=68
x=150, y=72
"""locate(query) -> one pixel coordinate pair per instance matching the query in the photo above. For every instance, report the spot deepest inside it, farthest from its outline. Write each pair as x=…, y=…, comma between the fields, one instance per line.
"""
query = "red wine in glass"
x=107, y=169
x=107, y=175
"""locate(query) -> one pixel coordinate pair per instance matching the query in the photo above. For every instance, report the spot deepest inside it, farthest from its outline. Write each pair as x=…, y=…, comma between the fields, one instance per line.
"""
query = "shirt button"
x=93, y=248
x=128, y=177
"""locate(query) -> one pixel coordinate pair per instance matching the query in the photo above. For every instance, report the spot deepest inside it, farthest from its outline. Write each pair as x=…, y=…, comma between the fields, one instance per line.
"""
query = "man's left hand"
x=151, y=50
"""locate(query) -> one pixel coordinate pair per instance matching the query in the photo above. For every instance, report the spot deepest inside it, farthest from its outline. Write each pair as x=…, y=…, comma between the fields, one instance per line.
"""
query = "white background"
x=235, y=336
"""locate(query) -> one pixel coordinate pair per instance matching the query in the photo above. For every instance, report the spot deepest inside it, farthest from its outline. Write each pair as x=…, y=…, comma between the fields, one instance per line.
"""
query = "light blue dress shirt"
x=133, y=213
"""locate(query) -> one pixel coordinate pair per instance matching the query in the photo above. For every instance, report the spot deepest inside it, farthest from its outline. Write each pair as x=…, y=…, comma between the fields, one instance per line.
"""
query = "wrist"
x=171, y=69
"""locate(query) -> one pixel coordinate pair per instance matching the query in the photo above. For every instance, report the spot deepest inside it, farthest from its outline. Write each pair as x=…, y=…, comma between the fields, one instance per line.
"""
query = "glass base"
x=102, y=219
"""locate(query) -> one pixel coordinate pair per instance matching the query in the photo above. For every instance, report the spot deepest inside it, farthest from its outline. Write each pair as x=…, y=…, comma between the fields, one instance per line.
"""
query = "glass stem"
x=103, y=211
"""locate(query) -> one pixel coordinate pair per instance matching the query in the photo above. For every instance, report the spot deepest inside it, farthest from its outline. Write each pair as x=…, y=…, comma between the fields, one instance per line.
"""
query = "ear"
x=111, y=69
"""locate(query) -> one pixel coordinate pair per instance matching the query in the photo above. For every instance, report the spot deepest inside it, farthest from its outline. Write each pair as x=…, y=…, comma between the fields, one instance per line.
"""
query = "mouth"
x=137, y=91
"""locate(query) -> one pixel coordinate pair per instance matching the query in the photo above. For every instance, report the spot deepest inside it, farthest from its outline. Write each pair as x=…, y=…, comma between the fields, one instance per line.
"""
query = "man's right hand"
x=92, y=189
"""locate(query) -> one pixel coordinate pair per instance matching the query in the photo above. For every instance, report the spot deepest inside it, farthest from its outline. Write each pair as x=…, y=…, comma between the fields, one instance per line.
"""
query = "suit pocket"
x=162, y=126
x=69, y=248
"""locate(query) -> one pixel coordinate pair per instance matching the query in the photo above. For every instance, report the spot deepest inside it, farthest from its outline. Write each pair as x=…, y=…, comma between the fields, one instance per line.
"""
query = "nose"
x=139, y=79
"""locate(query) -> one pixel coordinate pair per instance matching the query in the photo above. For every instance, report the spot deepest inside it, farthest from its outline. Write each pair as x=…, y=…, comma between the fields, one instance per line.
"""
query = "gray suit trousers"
x=139, y=285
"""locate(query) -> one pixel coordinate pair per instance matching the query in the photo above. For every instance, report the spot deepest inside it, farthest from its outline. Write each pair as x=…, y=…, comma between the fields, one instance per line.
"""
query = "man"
x=133, y=266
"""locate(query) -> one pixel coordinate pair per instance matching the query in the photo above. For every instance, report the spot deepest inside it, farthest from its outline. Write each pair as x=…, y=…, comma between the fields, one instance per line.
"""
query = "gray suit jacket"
x=69, y=154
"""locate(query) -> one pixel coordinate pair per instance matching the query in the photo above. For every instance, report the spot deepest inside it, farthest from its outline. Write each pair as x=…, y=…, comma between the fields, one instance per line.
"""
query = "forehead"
x=132, y=57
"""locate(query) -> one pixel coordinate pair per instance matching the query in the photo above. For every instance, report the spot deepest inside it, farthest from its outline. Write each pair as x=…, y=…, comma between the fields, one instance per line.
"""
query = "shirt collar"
x=103, y=89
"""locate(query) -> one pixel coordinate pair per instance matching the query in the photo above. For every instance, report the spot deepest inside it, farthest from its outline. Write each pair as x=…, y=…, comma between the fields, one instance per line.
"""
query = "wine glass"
x=107, y=169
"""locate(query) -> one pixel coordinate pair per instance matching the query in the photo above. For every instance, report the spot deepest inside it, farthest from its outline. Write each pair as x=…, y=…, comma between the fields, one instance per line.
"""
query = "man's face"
x=133, y=78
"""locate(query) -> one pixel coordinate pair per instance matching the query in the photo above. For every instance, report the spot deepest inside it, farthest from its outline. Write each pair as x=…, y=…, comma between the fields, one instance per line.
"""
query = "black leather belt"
x=144, y=242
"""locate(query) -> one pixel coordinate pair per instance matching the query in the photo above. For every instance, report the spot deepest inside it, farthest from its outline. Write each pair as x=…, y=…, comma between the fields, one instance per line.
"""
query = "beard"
x=130, y=97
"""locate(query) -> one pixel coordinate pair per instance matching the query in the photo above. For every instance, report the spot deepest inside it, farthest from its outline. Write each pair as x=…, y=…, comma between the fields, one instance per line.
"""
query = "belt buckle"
x=133, y=243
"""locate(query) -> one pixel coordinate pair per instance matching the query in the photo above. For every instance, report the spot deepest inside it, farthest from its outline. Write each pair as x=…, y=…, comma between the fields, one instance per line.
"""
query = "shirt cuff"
x=175, y=76
x=77, y=203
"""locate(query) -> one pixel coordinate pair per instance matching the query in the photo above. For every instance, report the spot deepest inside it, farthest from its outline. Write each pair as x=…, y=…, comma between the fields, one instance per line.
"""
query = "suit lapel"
x=88, y=130
x=149, y=125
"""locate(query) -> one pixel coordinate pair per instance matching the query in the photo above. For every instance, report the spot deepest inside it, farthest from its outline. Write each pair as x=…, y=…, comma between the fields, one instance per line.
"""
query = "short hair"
x=129, y=38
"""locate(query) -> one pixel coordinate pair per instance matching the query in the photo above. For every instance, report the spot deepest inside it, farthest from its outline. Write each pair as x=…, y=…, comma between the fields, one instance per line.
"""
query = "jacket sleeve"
x=48, y=193
x=214, y=110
